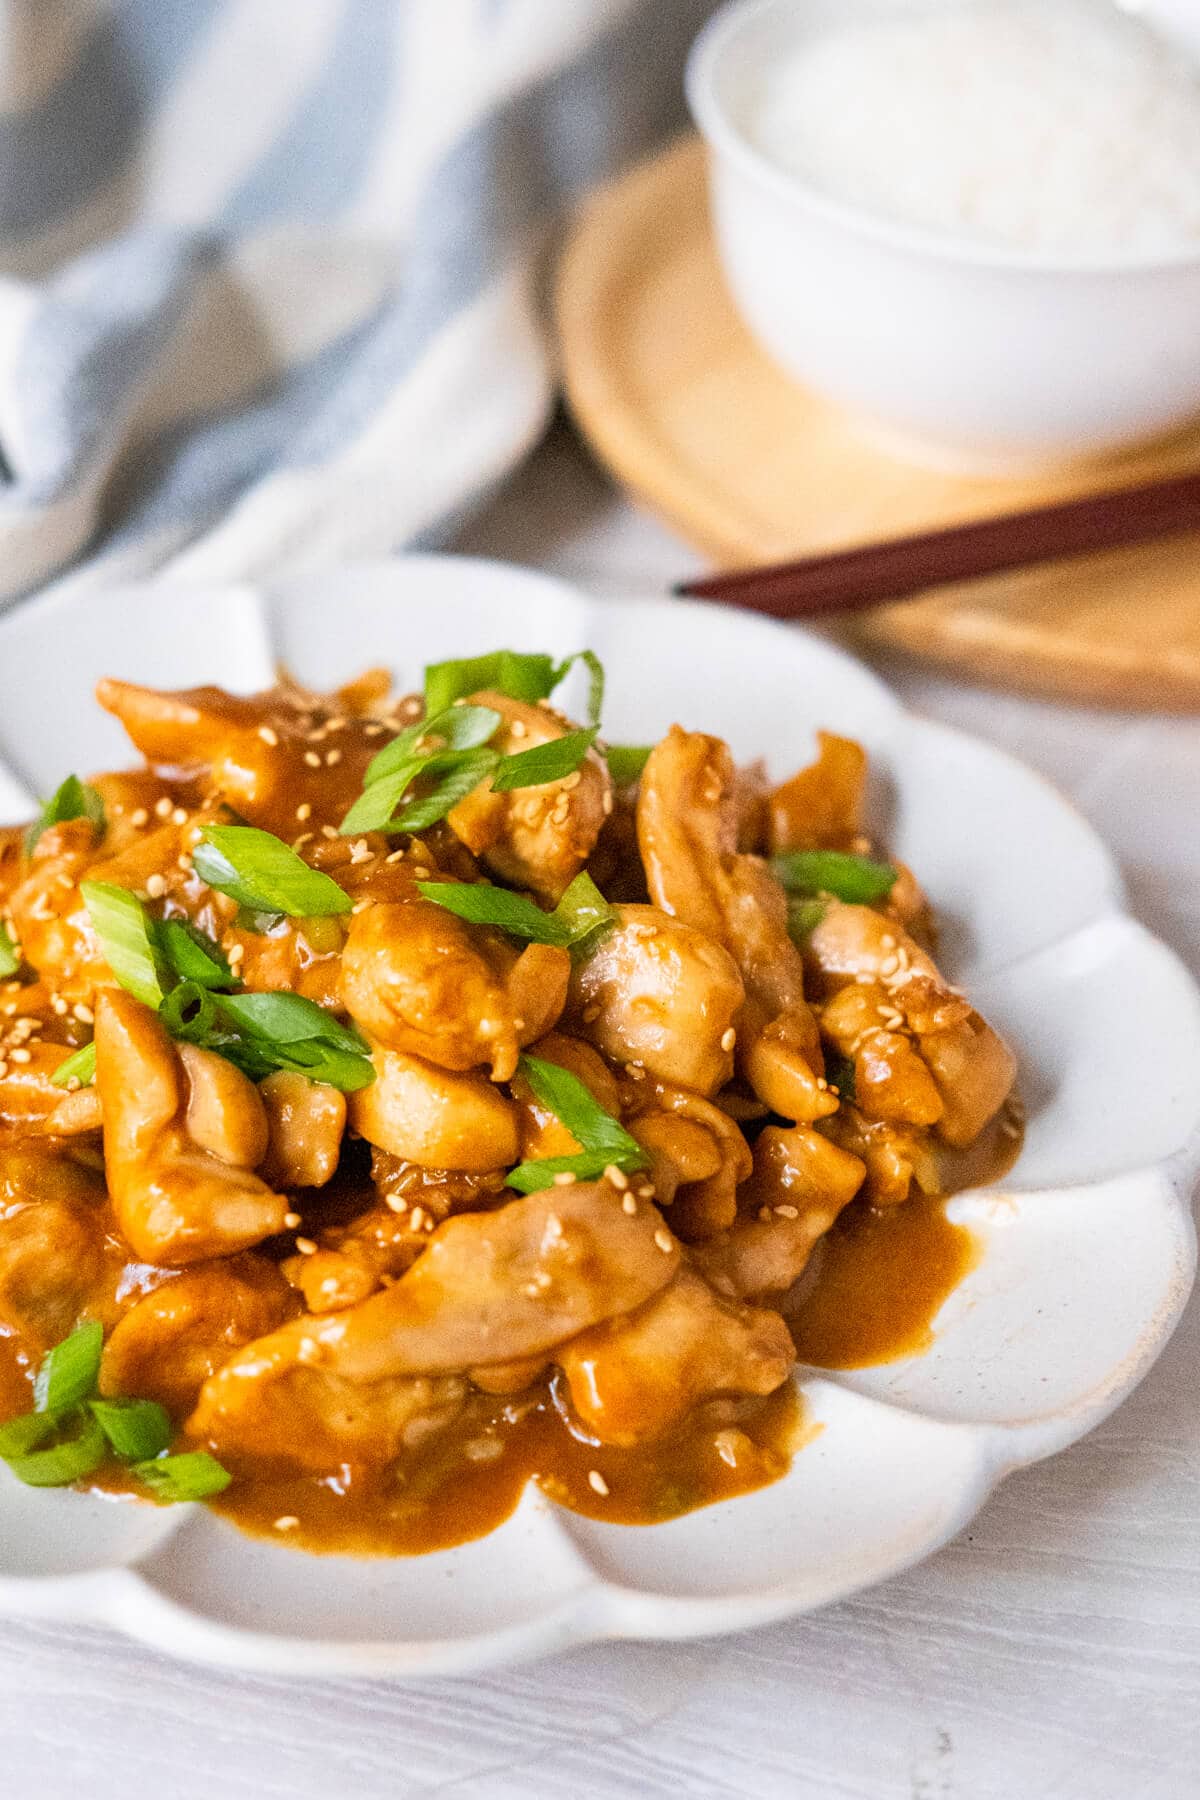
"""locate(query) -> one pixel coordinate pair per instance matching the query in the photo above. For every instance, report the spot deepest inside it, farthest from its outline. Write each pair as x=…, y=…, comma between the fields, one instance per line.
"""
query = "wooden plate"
x=680, y=402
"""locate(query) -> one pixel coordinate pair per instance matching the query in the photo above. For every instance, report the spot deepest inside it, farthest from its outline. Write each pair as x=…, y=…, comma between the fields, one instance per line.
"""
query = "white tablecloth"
x=1052, y=1652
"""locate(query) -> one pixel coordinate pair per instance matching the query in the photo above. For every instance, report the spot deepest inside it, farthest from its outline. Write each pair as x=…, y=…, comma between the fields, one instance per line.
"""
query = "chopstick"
x=845, y=581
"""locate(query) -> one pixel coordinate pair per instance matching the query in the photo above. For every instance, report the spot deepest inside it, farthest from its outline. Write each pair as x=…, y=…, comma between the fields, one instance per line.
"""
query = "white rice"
x=1047, y=125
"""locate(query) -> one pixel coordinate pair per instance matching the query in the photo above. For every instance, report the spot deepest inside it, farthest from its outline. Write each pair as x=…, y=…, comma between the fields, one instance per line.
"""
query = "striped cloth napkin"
x=269, y=269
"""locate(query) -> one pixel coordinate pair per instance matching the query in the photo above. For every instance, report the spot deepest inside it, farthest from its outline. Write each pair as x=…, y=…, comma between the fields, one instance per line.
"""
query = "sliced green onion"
x=803, y=918
x=10, y=954
x=80, y=1067
x=23, y=1434
x=127, y=938
x=543, y=763
x=856, y=879
x=72, y=799
x=595, y=669
x=193, y=955
x=481, y=904
x=603, y=1140
x=522, y=677
x=290, y=1019
x=461, y=777
x=193, y=1475
x=68, y=1372
x=189, y=1012
x=457, y=728
x=581, y=911
x=260, y=871
x=69, y=1460
x=136, y=1429
x=626, y=762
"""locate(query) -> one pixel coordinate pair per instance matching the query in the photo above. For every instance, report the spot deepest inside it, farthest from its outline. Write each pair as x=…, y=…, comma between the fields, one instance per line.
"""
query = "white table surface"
x=1051, y=1653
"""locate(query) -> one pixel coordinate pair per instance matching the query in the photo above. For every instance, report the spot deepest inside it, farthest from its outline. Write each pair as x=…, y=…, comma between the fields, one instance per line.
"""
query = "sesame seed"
x=234, y=954
x=304, y=811
x=140, y=817
x=329, y=831
x=420, y=872
x=394, y=856
x=333, y=757
x=618, y=1177
x=396, y=1202
x=417, y=1218
x=84, y=1013
x=664, y=1240
x=646, y=1191
x=291, y=1220
x=518, y=729
x=162, y=808
x=597, y=1483
x=728, y=1039
x=58, y=1004
x=312, y=759
x=373, y=729
x=306, y=1247
x=565, y=1178
x=822, y=1083
x=156, y=887
x=628, y=1204
x=360, y=906
x=360, y=851
x=21, y=1056
x=268, y=736
x=179, y=816
x=606, y=804
x=288, y=1522
x=183, y=864
x=787, y=1212
x=298, y=843
x=591, y=1014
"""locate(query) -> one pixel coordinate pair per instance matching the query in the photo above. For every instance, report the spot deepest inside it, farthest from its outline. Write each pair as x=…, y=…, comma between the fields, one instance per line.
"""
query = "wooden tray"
x=678, y=400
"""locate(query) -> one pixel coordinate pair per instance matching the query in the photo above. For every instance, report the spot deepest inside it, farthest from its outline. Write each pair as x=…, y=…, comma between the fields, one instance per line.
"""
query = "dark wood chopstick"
x=851, y=580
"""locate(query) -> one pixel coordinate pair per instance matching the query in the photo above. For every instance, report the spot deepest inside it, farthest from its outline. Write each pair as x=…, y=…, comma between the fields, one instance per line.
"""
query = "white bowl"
x=1085, y=1260
x=998, y=357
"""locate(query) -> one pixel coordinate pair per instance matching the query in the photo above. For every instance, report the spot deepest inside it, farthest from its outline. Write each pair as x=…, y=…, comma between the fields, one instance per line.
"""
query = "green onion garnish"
x=603, y=1140
x=543, y=763
x=80, y=1066
x=582, y=910
x=68, y=1460
x=136, y=1429
x=522, y=677
x=626, y=762
x=456, y=728
x=803, y=918
x=856, y=879
x=68, y=1372
x=260, y=871
x=189, y=1013
x=127, y=938
x=25, y=1433
x=73, y=799
x=10, y=956
x=193, y=955
x=459, y=772
x=265, y=1032
x=193, y=1475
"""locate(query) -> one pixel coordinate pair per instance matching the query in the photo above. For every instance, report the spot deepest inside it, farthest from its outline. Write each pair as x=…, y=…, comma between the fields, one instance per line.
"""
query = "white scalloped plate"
x=1088, y=1256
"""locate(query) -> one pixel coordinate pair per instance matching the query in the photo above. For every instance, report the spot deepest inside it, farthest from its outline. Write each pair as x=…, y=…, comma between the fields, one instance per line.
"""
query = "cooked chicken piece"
x=634, y=1377
x=168, y=1344
x=176, y=1203
x=800, y=1184
x=306, y=1121
x=51, y=1258
x=421, y=980
x=971, y=1066
x=223, y=1112
x=670, y=1124
x=820, y=807
x=49, y=917
x=499, y=1286
x=429, y=1115
x=657, y=993
x=539, y=837
x=895, y=1155
x=542, y=1133
x=330, y=1280
x=264, y=777
x=76, y=1115
x=28, y=1095
x=273, y=1403
x=891, y=1081
x=687, y=830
